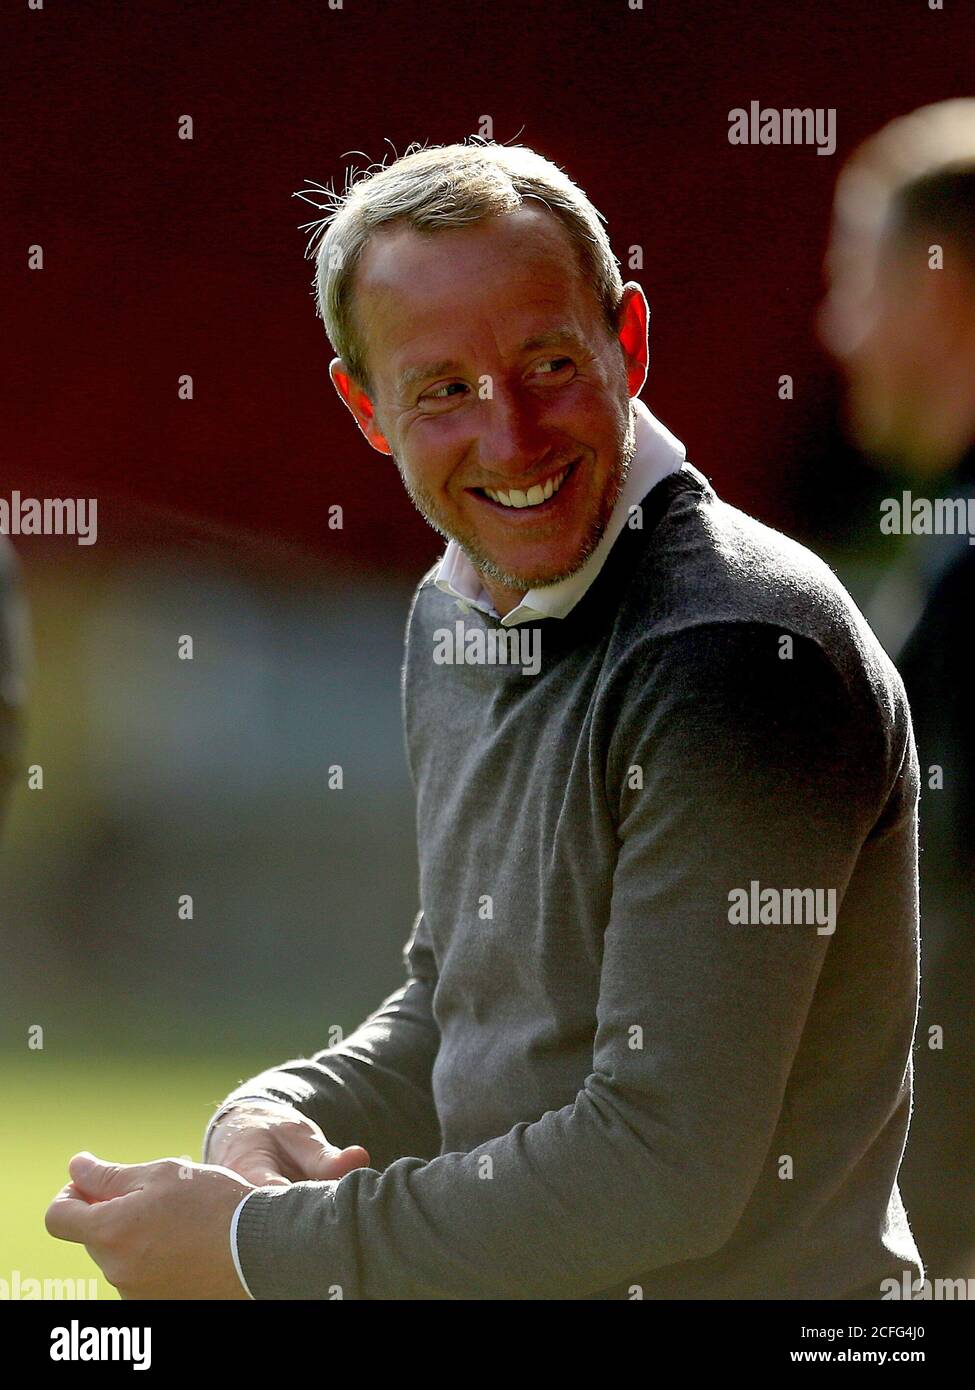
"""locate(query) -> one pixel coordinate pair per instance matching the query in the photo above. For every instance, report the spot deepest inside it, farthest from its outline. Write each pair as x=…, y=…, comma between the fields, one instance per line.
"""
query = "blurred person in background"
x=13, y=629
x=899, y=317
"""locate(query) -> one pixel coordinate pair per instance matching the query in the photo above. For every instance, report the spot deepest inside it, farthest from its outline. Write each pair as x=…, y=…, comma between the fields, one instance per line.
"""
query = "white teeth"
x=532, y=498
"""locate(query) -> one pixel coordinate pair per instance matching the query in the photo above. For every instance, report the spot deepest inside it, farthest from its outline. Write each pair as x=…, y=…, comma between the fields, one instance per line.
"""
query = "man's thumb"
x=332, y=1163
x=96, y=1178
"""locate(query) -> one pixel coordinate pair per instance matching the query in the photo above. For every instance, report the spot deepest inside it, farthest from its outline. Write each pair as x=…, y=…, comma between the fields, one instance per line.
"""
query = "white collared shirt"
x=657, y=453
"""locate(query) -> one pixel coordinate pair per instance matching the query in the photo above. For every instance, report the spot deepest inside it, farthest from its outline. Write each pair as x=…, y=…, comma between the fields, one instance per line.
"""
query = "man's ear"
x=360, y=404
x=633, y=332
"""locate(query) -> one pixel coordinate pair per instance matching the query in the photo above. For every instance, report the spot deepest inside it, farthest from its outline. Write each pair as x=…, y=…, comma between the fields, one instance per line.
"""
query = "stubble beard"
x=469, y=543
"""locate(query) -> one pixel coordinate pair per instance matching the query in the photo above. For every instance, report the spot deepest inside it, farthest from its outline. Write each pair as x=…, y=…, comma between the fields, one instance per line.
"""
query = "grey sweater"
x=655, y=1037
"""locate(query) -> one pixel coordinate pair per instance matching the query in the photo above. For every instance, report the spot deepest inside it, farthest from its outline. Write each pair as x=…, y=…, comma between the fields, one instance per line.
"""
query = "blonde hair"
x=434, y=188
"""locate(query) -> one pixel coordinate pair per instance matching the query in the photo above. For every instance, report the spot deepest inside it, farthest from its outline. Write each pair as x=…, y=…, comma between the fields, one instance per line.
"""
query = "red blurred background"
x=165, y=256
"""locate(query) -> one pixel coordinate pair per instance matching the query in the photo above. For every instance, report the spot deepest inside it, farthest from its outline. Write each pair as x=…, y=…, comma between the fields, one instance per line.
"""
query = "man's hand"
x=271, y=1144
x=156, y=1230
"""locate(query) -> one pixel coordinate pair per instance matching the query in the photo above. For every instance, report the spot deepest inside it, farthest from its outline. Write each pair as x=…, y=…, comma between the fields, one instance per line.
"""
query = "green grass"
x=126, y=1111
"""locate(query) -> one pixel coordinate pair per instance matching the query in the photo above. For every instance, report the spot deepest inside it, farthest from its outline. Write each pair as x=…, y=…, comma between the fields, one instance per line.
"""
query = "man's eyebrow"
x=426, y=371
x=553, y=337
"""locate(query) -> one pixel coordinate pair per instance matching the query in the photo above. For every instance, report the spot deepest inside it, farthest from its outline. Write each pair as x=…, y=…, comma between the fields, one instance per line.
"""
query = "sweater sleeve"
x=753, y=767
x=374, y=1088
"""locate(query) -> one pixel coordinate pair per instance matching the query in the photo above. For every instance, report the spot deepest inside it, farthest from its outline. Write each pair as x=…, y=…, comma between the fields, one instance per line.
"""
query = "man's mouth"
x=538, y=495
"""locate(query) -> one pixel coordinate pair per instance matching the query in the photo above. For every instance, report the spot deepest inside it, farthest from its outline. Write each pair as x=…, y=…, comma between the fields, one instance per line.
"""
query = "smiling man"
x=626, y=1060
x=525, y=493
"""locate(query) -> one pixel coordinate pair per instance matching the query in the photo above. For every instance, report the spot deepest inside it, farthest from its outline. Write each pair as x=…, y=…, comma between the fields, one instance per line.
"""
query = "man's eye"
x=553, y=365
x=438, y=392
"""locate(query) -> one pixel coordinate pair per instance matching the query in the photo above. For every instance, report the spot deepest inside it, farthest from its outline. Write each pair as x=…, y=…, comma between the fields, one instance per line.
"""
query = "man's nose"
x=512, y=440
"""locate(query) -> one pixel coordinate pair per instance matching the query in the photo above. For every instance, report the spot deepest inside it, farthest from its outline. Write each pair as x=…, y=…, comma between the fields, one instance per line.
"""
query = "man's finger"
x=69, y=1216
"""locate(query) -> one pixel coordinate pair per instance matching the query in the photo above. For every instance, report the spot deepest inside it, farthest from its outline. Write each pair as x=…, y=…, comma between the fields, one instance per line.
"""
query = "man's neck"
x=505, y=600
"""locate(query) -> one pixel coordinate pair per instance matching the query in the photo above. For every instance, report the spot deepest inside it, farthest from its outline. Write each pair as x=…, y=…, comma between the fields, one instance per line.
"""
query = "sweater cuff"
x=269, y=1225
x=233, y=1241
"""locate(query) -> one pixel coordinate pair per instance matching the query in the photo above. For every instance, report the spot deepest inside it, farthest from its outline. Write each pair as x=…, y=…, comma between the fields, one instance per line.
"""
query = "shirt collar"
x=657, y=453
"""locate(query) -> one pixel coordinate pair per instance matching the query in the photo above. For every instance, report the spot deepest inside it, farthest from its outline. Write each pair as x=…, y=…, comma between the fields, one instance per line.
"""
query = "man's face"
x=875, y=322
x=493, y=371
